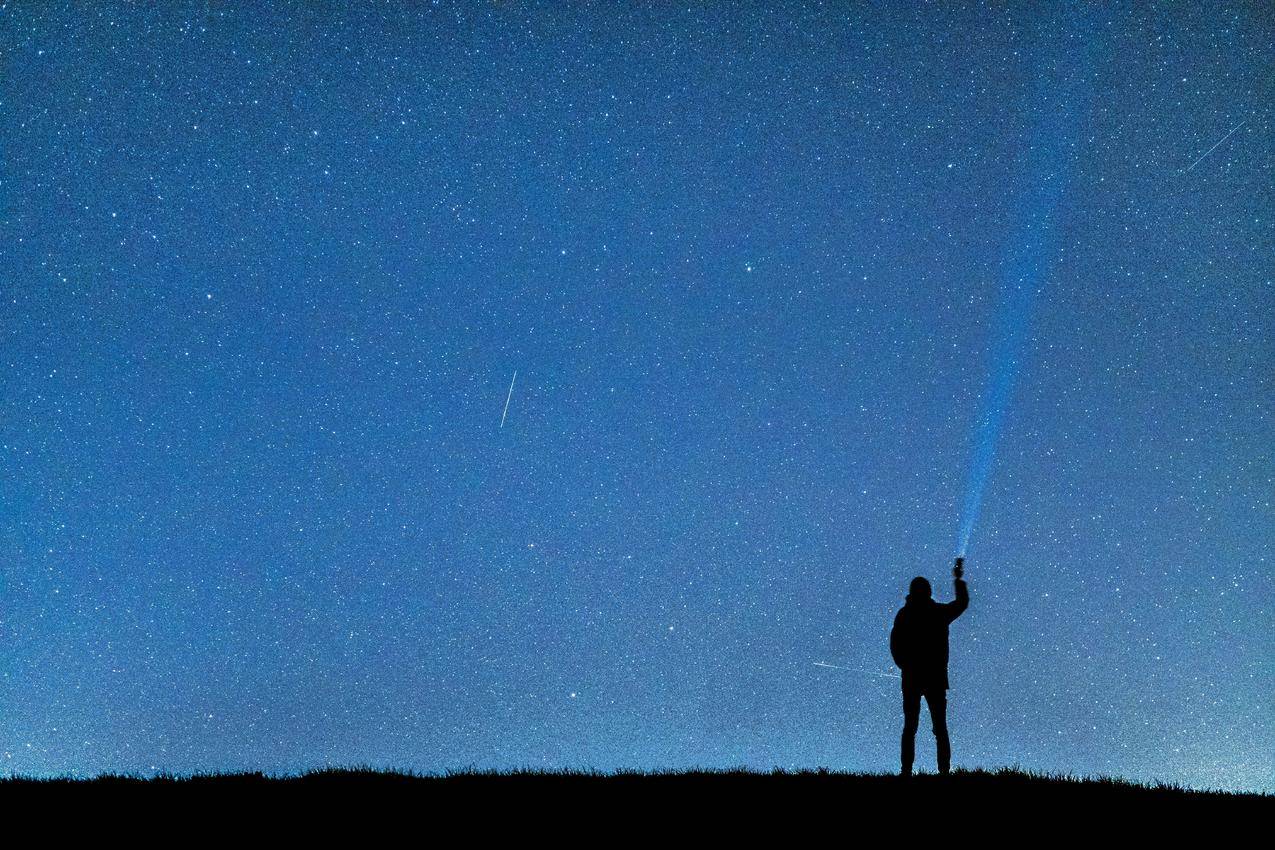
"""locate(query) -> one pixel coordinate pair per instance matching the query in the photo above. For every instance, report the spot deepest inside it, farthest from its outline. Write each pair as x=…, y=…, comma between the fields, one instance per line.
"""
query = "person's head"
x=919, y=589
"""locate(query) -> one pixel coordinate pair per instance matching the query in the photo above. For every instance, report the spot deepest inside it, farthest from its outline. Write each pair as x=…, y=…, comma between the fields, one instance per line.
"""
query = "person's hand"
x=959, y=569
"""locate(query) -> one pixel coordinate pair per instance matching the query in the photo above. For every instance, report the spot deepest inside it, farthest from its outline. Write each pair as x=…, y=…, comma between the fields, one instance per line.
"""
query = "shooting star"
x=1215, y=147
x=857, y=670
x=511, y=395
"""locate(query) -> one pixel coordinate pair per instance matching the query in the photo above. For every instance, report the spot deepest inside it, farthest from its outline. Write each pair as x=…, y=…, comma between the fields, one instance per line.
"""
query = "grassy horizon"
x=1000, y=780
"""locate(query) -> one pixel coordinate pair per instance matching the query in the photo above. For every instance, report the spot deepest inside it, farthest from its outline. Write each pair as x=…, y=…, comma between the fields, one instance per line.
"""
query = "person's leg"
x=936, y=699
x=911, y=718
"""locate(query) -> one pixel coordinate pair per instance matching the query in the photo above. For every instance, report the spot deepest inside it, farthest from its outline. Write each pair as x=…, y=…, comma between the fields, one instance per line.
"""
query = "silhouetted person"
x=918, y=643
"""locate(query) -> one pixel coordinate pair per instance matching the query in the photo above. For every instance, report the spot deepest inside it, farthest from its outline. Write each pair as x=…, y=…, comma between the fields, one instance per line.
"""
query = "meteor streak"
x=857, y=670
x=511, y=395
x=1215, y=147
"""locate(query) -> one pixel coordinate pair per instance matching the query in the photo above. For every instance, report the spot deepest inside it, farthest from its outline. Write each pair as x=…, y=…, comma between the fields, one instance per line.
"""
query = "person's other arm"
x=896, y=644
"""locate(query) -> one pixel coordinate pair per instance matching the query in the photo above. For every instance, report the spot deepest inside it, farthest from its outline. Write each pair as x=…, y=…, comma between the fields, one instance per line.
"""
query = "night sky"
x=763, y=270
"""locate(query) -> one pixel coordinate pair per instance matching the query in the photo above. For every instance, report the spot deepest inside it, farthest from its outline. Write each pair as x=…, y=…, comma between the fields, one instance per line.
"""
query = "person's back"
x=919, y=645
x=919, y=639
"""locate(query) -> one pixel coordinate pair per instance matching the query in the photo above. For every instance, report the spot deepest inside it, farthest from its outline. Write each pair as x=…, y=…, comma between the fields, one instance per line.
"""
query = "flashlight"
x=959, y=569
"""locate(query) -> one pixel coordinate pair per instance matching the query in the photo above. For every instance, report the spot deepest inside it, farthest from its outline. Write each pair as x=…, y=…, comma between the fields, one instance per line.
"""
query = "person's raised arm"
x=957, y=607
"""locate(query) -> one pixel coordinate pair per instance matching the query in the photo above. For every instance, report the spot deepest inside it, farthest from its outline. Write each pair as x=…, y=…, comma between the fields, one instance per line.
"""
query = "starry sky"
x=268, y=270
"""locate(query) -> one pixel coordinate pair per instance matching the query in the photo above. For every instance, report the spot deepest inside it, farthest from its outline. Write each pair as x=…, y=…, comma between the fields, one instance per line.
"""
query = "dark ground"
x=826, y=796
x=368, y=808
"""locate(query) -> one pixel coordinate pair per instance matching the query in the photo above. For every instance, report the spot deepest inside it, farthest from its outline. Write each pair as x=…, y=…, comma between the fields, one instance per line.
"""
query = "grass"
x=367, y=807
x=1006, y=785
